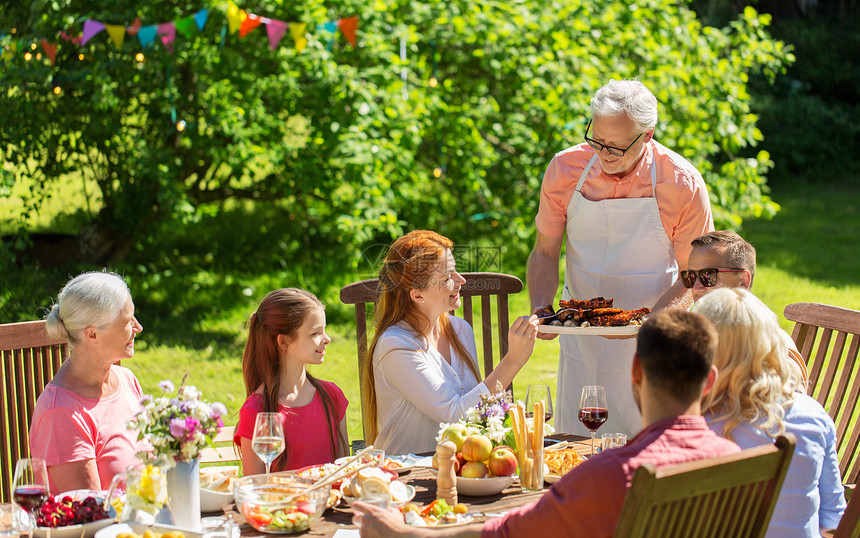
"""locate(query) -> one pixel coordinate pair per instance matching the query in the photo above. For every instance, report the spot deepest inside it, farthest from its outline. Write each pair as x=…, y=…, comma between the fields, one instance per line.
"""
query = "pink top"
x=305, y=428
x=587, y=501
x=682, y=196
x=68, y=427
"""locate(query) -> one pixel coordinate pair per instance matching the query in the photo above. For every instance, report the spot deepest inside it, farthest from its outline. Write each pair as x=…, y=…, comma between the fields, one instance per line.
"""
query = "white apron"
x=616, y=248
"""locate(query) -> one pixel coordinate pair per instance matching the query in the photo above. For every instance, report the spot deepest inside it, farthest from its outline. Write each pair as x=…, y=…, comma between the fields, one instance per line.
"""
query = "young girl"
x=286, y=333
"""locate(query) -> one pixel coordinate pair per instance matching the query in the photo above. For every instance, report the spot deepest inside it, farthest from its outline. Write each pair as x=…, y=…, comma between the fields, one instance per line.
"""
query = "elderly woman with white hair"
x=79, y=423
x=755, y=398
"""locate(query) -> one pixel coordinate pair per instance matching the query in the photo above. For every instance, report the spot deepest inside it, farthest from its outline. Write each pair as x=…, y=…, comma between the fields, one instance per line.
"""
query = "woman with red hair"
x=424, y=362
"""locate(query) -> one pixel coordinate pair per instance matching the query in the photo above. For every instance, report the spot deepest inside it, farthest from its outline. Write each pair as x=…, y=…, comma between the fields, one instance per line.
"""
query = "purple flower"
x=166, y=385
x=178, y=428
x=218, y=410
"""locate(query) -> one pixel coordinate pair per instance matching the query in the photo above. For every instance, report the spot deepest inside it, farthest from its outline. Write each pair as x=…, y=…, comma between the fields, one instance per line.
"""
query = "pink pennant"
x=275, y=30
x=91, y=28
x=167, y=33
x=50, y=50
x=75, y=40
x=348, y=27
x=134, y=27
x=248, y=25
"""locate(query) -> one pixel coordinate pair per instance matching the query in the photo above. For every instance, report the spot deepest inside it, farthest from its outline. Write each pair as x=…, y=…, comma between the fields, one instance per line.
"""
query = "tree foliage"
x=334, y=137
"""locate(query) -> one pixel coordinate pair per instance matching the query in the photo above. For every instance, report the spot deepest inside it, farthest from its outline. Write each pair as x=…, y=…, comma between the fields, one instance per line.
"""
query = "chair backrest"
x=225, y=451
x=483, y=285
x=29, y=361
x=828, y=337
x=731, y=496
x=849, y=525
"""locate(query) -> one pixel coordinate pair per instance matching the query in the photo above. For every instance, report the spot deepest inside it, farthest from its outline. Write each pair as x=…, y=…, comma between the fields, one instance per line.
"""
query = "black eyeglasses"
x=708, y=277
x=618, y=152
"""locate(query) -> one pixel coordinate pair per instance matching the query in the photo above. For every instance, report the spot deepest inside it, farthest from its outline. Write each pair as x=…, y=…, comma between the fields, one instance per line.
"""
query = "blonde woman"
x=755, y=398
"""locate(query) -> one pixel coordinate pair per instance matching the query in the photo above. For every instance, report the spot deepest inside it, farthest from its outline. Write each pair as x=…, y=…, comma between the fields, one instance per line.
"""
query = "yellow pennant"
x=235, y=16
x=297, y=30
x=116, y=33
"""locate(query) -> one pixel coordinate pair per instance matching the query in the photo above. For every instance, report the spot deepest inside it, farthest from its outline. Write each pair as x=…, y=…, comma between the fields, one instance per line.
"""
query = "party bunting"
x=186, y=26
x=235, y=16
x=297, y=30
x=116, y=33
x=275, y=30
x=91, y=28
x=200, y=18
x=135, y=27
x=50, y=50
x=251, y=21
x=146, y=34
x=348, y=27
x=167, y=33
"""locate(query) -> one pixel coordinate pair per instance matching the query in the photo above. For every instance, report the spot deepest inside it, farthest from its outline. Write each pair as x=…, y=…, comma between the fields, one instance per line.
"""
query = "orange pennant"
x=50, y=50
x=135, y=27
x=248, y=25
x=348, y=26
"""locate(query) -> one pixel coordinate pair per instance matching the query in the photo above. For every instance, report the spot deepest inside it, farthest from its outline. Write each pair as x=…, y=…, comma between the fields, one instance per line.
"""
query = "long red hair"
x=282, y=311
x=408, y=265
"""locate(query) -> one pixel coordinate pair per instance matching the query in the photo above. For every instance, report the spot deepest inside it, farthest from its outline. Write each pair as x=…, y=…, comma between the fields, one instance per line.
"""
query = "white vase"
x=183, y=494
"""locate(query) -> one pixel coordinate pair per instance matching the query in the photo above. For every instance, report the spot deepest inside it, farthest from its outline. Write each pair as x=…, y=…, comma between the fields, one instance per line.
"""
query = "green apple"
x=457, y=434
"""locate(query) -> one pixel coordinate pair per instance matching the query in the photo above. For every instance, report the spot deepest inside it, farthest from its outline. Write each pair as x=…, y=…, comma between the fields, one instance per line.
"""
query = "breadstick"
x=518, y=440
x=539, y=419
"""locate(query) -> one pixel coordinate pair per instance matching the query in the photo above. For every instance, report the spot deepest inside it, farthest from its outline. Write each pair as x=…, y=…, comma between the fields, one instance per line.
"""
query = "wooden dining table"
x=424, y=481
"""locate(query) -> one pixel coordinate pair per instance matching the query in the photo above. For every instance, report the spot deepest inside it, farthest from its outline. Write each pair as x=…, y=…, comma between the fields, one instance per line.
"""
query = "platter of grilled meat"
x=594, y=316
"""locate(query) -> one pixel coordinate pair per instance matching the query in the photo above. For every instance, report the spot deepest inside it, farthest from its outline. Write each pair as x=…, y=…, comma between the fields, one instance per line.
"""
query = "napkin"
x=346, y=533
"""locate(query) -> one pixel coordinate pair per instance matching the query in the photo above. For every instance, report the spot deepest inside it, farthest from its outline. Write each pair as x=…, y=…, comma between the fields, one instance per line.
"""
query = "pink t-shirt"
x=587, y=501
x=68, y=427
x=682, y=196
x=305, y=428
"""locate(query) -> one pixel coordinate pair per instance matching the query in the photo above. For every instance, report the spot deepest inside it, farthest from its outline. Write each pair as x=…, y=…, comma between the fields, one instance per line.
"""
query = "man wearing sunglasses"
x=722, y=259
x=626, y=208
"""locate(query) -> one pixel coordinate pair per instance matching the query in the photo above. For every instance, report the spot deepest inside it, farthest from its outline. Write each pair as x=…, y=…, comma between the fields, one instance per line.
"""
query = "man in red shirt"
x=672, y=369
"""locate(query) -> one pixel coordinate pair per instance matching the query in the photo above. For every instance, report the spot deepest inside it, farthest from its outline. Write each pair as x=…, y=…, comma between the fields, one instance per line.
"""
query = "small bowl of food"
x=376, y=483
x=276, y=503
x=72, y=516
x=480, y=487
x=216, y=486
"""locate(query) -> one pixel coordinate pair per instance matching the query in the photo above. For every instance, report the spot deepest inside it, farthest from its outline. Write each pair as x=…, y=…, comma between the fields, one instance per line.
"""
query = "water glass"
x=218, y=527
x=612, y=440
x=8, y=513
x=374, y=454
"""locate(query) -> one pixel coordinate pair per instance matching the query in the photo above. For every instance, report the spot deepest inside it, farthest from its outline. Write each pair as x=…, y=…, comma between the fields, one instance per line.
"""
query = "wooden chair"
x=225, y=452
x=730, y=496
x=828, y=337
x=483, y=285
x=849, y=526
x=29, y=361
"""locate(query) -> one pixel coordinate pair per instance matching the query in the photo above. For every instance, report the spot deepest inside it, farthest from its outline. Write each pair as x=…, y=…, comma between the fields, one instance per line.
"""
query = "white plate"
x=551, y=478
x=410, y=494
x=479, y=487
x=139, y=528
x=406, y=462
x=591, y=331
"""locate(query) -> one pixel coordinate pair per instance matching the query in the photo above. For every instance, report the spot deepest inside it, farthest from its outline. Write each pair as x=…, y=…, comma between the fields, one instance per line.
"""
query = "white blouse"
x=416, y=388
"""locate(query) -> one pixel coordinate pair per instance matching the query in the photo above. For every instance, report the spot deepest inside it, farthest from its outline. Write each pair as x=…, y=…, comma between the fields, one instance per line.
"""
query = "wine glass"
x=30, y=486
x=538, y=393
x=268, y=441
x=593, y=411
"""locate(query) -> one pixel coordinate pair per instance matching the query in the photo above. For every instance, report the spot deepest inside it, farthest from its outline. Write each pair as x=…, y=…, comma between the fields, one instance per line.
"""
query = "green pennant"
x=186, y=26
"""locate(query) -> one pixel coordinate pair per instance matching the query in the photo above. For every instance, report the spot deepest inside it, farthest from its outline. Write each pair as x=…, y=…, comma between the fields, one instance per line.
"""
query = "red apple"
x=474, y=469
x=477, y=448
x=503, y=462
x=461, y=461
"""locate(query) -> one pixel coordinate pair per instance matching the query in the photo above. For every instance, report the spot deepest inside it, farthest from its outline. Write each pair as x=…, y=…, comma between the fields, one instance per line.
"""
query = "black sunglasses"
x=708, y=277
x=618, y=152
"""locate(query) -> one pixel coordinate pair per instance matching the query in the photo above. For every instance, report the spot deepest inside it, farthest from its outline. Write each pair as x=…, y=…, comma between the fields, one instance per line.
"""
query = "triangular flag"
x=235, y=16
x=146, y=34
x=135, y=27
x=167, y=32
x=348, y=26
x=185, y=26
x=275, y=30
x=116, y=33
x=200, y=18
x=50, y=50
x=91, y=28
x=251, y=21
x=330, y=26
x=297, y=30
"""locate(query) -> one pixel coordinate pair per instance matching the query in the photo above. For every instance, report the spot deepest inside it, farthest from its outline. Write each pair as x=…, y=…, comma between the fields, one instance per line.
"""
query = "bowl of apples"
x=481, y=468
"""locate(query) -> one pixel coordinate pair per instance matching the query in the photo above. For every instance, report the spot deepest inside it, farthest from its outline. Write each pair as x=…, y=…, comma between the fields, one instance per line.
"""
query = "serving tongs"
x=336, y=475
x=560, y=310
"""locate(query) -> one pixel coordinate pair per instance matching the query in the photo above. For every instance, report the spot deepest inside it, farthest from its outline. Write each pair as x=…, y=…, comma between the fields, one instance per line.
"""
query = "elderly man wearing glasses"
x=628, y=208
x=722, y=259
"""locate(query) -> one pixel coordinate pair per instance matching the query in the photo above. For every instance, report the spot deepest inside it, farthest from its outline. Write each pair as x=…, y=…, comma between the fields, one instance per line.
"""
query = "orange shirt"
x=682, y=196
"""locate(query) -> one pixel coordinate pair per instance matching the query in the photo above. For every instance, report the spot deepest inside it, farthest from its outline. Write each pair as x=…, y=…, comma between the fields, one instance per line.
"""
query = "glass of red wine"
x=592, y=409
x=30, y=486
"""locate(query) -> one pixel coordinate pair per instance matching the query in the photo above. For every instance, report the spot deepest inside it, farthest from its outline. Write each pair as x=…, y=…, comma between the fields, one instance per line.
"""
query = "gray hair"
x=629, y=97
x=91, y=299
